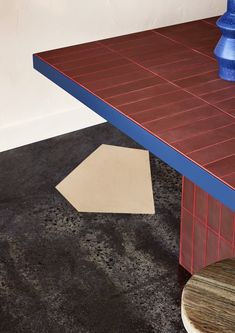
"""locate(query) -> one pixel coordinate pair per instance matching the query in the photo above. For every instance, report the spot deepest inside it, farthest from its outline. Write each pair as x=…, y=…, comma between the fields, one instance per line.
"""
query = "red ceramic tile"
x=198, y=29
x=207, y=50
x=199, y=243
x=197, y=43
x=70, y=50
x=137, y=43
x=190, y=71
x=75, y=63
x=188, y=117
x=142, y=94
x=185, y=68
x=167, y=110
x=230, y=179
x=207, y=45
x=201, y=204
x=106, y=73
x=227, y=224
x=199, y=127
x=159, y=47
x=192, y=34
x=212, y=244
x=227, y=105
x=151, y=40
x=214, y=214
x=152, y=102
x=148, y=54
x=136, y=74
x=92, y=68
x=210, y=138
x=218, y=96
x=188, y=195
x=97, y=68
x=197, y=80
x=210, y=87
x=222, y=167
x=214, y=153
x=169, y=58
x=226, y=250
x=183, y=63
x=130, y=86
x=186, y=240
x=232, y=113
x=82, y=55
x=127, y=38
x=209, y=226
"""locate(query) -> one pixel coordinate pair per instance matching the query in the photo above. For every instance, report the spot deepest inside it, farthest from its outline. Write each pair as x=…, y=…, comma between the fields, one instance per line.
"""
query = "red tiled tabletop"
x=166, y=81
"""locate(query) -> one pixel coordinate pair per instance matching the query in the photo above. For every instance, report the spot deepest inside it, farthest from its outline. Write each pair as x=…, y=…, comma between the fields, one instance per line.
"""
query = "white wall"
x=31, y=107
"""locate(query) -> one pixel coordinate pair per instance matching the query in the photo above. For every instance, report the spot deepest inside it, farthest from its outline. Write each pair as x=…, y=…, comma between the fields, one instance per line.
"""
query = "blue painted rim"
x=169, y=155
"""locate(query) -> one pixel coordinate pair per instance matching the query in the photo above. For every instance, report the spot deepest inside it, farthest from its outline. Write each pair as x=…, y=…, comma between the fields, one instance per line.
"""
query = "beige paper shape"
x=111, y=180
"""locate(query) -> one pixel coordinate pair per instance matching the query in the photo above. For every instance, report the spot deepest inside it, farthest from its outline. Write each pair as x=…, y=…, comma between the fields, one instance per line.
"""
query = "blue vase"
x=225, y=49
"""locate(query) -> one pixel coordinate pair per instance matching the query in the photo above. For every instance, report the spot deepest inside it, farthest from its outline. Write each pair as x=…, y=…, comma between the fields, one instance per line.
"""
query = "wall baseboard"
x=53, y=125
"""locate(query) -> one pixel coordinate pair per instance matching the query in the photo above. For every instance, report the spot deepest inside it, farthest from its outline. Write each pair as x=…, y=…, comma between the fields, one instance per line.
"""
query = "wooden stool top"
x=208, y=300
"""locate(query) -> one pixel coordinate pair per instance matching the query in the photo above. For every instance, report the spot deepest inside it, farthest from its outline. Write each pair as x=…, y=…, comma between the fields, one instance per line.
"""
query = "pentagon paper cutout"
x=111, y=180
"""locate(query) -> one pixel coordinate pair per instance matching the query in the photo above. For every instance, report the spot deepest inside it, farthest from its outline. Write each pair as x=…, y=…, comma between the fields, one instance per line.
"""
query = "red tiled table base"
x=207, y=229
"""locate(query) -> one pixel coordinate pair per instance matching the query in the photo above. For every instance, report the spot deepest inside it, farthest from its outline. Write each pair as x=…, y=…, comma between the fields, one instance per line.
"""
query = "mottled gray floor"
x=65, y=272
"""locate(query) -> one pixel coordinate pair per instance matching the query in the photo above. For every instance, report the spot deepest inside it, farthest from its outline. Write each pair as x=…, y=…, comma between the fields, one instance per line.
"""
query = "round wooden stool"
x=208, y=299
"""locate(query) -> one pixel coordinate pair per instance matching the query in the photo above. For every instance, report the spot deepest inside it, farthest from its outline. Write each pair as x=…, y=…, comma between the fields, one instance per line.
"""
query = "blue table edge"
x=205, y=180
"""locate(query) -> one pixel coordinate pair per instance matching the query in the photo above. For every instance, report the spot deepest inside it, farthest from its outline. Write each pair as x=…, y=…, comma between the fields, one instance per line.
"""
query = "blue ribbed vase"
x=225, y=49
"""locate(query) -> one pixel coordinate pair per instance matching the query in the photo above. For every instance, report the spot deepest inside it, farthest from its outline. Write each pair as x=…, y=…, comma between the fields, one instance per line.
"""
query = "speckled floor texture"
x=66, y=272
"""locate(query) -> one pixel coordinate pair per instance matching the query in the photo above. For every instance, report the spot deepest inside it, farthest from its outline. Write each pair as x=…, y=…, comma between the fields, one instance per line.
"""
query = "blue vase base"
x=227, y=74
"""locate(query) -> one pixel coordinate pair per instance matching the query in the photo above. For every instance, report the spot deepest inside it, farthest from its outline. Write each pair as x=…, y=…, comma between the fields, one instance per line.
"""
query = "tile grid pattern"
x=166, y=81
x=207, y=229
x=172, y=83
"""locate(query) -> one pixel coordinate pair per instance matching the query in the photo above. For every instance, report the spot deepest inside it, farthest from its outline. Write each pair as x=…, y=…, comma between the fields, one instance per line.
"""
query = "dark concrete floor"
x=63, y=271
